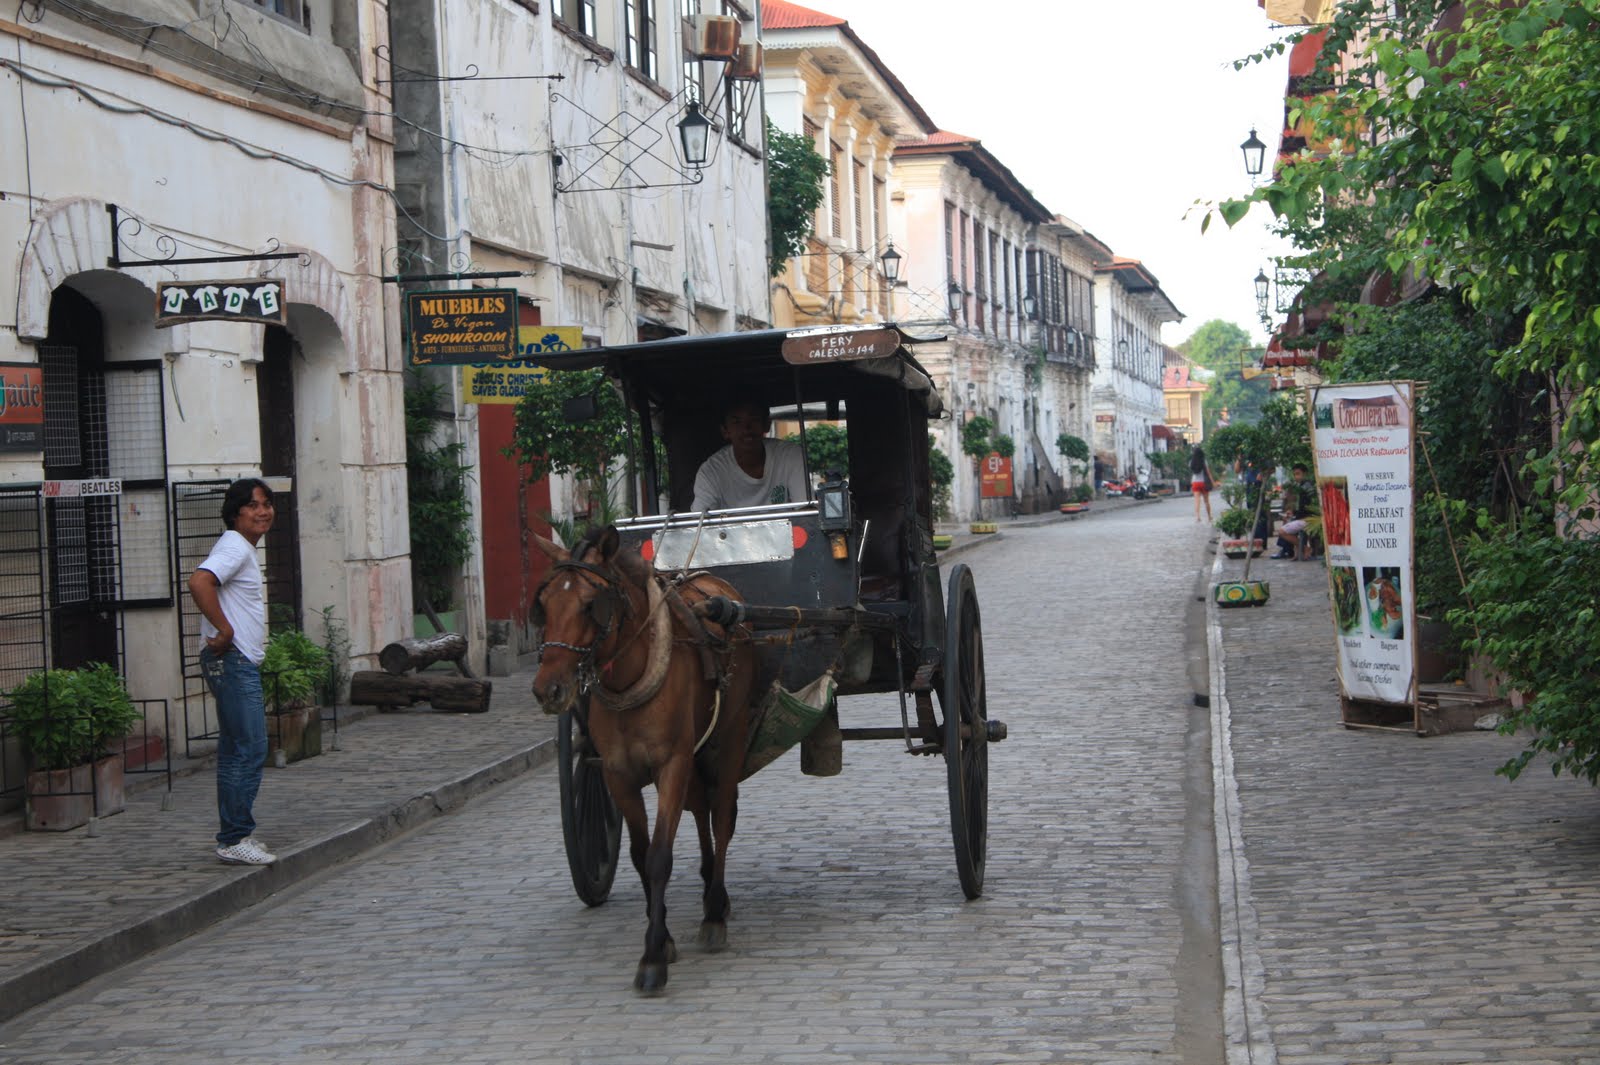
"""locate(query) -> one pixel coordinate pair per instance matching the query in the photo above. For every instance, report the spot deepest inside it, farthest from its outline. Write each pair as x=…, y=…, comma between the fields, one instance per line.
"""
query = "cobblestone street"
x=850, y=939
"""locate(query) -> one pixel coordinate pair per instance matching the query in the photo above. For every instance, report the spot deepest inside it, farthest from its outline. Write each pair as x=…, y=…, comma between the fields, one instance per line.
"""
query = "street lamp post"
x=1255, y=155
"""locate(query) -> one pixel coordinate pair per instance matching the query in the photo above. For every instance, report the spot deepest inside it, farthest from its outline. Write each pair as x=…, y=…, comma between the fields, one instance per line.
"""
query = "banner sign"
x=462, y=326
x=105, y=486
x=994, y=477
x=21, y=406
x=1362, y=438
x=251, y=299
x=507, y=382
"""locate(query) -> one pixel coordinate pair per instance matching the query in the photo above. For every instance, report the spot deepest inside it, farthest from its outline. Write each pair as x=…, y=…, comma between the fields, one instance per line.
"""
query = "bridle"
x=605, y=621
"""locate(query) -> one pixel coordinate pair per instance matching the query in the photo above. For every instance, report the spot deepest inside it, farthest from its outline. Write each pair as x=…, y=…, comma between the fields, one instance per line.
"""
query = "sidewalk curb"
x=1247, y=1036
x=200, y=909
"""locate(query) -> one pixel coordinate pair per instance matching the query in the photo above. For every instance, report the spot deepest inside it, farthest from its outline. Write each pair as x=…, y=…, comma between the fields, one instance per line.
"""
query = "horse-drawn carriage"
x=798, y=603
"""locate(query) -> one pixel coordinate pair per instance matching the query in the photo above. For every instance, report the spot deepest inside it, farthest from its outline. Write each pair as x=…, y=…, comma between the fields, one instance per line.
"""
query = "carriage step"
x=922, y=681
x=926, y=749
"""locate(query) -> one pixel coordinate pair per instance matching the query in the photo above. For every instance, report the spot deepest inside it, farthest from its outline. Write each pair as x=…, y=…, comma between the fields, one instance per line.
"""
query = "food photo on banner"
x=1362, y=445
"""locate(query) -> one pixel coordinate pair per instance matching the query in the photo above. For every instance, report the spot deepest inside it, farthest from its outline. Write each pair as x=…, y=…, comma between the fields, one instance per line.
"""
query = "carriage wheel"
x=966, y=733
x=591, y=825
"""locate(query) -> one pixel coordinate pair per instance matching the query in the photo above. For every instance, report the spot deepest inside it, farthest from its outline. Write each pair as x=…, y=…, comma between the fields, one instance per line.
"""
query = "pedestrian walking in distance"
x=226, y=588
x=1200, y=481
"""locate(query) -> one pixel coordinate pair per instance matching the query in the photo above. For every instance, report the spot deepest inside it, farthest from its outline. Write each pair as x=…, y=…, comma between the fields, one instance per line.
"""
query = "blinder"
x=604, y=610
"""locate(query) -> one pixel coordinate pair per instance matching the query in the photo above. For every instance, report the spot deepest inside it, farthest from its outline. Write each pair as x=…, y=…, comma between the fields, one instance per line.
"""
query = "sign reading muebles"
x=462, y=326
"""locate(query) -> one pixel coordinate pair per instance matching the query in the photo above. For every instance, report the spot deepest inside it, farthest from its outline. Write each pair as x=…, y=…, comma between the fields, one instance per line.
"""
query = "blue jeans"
x=241, y=740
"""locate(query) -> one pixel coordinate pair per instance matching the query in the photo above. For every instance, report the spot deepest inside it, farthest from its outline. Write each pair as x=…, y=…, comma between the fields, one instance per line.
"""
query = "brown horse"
x=669, y=700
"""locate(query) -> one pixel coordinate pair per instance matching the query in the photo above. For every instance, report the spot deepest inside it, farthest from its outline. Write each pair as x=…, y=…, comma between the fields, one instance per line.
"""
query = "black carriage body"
x=676, y=390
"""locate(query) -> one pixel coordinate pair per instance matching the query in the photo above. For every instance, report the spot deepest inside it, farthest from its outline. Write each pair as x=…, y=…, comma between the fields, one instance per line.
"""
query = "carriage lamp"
x=695, y=132
x=833, y=504
x=891, y=265
x=1255, y=155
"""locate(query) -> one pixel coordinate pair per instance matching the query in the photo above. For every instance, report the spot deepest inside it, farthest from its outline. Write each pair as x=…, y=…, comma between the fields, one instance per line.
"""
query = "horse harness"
x=606, y=613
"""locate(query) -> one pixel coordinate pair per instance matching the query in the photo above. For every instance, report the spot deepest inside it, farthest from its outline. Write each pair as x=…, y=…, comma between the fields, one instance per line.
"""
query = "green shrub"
x=1234, y=522
x=66, y=717
x=294, y=669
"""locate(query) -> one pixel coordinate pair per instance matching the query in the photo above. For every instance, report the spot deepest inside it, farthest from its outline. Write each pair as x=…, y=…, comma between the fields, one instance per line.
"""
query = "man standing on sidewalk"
x=227, y=589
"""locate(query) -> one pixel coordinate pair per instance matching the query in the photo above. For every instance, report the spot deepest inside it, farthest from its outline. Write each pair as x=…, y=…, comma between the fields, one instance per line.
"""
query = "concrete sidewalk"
x=75, y=906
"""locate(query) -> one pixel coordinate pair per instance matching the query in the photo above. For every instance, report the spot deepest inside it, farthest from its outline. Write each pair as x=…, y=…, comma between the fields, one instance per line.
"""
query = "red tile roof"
x=782, y=15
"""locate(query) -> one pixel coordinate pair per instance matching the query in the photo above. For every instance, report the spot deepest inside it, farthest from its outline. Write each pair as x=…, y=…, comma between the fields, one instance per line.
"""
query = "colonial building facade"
x=235, y=158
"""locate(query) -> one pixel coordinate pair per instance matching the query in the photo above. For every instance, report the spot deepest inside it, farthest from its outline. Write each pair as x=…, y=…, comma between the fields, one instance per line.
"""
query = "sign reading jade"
x=1362, y=437
x=249, y=299
x=462, y=326
x=21, y=406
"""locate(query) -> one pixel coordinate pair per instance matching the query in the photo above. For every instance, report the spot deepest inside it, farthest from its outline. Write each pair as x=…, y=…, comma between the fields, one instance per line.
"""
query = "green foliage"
x=1171, y=465
x=1235, y=522
x=436, y=492
x=827, y=448
x=942, y=472
x=1004, y=446
x=976, y=437
x=795, y=173
x=1080, y=493
x=336, y=644
x=67, y=717
x=1073, y=447
x=294, y=669
x=546, y=441
x=1532, y=627
x=1218, y=346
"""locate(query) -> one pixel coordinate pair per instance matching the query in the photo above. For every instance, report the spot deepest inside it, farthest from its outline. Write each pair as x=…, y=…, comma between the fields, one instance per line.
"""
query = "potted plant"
x=1235, y=524
x=294, y=671
x=67, y=721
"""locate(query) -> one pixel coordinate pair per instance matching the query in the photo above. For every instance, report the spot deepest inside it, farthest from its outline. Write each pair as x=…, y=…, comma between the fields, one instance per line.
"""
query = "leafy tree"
x=1076, y=451
x=1467, y=158
x=548, y=440
x=1219, y=347
x=827, y=448
x=442, y=529
x=795, y=173
x=1004, y=446
x=943, y=474
x=977, y=437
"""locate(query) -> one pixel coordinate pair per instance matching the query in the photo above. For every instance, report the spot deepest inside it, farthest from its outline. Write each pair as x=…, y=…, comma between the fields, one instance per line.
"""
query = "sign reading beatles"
x=460, y=327
x=21, y=406
x=255, y=299
x=1361, y=437
x=508, y=382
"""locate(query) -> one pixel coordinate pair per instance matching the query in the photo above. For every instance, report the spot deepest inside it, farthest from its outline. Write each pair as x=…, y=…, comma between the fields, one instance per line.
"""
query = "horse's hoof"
x=671, y=951
x=713, y=936
x=651, y=979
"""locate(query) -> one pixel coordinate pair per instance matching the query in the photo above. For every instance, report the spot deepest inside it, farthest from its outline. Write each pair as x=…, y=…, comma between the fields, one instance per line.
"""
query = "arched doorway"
x=84, y=572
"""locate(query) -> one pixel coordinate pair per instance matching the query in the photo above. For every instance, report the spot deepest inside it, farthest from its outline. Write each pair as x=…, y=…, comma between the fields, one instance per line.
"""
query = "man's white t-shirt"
x=233, y=562
x=721, y=484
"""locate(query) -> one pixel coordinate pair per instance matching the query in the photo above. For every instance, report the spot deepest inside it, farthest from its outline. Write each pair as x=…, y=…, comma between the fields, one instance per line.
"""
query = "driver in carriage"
x=753, y=469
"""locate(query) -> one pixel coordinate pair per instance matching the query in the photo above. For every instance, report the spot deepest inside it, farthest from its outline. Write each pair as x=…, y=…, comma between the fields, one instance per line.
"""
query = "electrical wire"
x=253, y=151
x=142, y=32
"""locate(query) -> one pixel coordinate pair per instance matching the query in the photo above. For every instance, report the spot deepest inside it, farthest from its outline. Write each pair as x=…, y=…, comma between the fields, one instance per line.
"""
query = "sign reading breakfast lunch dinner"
x=1361, y=438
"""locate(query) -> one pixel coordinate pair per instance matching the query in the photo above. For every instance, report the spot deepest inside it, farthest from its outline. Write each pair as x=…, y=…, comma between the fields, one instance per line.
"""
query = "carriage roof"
x=820, y=364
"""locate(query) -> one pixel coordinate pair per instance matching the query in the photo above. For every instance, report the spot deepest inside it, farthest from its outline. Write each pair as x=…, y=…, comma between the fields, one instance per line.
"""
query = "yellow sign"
x=507, y=382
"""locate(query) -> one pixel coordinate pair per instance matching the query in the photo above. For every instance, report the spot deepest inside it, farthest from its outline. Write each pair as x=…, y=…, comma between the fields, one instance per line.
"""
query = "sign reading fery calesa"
x=462, y=326
x=1362, y=439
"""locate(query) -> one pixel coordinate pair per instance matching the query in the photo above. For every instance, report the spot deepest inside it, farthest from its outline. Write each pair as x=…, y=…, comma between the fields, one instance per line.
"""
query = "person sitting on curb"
x=1299, y=503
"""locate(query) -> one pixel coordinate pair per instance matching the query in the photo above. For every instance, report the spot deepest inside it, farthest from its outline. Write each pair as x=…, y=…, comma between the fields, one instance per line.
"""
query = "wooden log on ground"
x=464, y=694
x=422, y=651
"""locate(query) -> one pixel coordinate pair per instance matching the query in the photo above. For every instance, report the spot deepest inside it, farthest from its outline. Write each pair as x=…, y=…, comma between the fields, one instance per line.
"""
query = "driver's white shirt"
x=722, y=485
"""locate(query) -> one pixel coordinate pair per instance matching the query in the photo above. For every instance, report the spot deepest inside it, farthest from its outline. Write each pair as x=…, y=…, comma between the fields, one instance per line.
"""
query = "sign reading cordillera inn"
x=462, y=326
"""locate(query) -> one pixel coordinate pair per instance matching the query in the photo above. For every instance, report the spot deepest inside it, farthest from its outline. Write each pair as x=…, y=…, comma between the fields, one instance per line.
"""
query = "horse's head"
x=580, y=609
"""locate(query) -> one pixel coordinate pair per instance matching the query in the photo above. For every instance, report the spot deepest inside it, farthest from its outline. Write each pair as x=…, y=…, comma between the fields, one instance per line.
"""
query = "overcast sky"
x=1117, y=115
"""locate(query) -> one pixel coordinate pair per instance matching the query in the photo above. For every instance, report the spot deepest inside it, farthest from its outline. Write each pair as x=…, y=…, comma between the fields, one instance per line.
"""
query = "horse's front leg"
x=630, y=804
x=671, y=789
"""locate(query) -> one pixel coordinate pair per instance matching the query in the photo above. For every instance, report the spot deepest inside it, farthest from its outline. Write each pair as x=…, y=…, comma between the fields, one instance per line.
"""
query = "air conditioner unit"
x=747, y=64
x=711, y=36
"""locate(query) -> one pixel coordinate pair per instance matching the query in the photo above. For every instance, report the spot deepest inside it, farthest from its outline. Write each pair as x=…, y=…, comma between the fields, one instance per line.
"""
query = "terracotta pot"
x=57, y=800
x=296, y=731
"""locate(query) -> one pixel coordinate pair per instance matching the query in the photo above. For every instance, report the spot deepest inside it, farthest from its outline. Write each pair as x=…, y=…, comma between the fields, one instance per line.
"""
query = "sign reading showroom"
x=462, y=326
